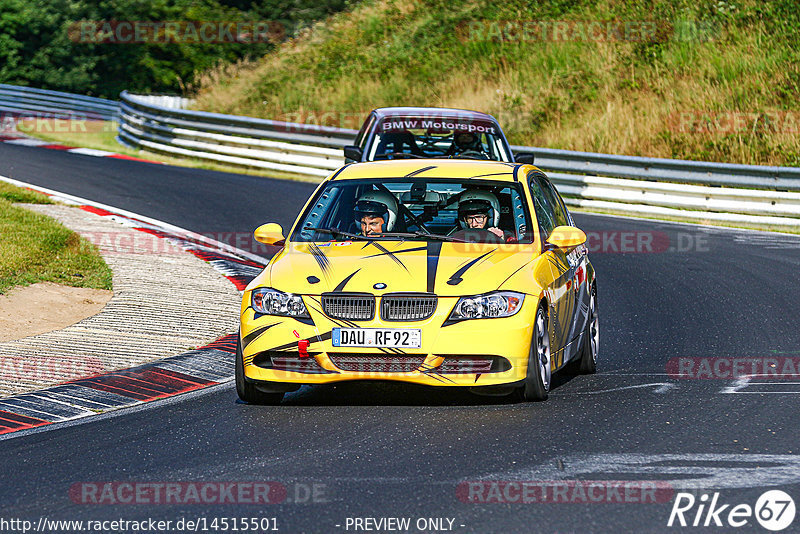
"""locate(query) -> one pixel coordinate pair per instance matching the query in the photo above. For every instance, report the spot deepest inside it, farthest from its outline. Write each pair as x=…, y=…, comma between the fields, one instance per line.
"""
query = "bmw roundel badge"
x=379, y=285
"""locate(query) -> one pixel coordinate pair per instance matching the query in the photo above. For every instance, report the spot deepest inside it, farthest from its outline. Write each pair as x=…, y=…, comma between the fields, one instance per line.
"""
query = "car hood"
x=379, y=266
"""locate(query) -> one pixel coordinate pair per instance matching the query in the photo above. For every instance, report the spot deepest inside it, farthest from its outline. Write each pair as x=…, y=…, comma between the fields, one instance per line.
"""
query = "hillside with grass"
x=694, y=79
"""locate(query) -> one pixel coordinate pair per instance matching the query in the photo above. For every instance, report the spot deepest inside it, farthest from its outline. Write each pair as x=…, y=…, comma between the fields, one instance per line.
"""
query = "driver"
x=480, y=210
x=376, y=212
x=465, y=142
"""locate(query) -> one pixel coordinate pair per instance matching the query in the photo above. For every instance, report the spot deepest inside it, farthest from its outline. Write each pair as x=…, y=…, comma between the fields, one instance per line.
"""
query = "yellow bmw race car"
x=437, y=272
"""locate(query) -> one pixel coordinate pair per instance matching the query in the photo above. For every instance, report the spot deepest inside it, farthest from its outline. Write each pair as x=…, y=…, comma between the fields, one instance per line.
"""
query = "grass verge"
x=35, y=248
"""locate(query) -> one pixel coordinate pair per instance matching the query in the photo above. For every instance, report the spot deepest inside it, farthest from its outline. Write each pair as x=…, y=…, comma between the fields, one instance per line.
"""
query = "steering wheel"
x=477, y=235
x=472, y=154
x=399, y=155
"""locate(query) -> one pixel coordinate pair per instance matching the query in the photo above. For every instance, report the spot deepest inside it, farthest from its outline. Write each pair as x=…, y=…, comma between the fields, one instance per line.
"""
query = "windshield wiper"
x=437, y=237
x=403, y=154
x=335, y=232
x=349, y=235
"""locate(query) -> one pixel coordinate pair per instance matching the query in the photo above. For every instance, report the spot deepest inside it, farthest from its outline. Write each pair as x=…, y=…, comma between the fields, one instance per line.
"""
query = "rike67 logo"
x=774, y=510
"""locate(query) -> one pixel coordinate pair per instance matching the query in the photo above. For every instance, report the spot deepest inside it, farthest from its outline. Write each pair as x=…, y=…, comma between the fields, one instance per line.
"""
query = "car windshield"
x=420, y=137
x=428, y=209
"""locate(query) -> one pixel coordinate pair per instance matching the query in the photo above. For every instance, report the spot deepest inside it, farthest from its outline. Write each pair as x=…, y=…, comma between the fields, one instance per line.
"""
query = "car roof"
x=450, y=113
x=432, y=168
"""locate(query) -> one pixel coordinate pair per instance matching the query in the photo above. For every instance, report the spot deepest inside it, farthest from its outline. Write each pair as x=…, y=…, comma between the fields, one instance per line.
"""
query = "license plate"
x=390, y=338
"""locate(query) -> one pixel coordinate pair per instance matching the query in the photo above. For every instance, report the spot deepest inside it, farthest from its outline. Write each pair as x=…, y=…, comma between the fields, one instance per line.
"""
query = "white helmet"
x=474, y=202
x=377, y=204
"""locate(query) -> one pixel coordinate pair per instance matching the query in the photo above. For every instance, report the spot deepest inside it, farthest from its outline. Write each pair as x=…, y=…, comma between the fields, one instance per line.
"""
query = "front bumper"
x=478, y=352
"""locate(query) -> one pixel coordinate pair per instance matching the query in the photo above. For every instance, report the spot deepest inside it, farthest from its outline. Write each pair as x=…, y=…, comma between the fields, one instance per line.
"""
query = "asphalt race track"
x=374, y=450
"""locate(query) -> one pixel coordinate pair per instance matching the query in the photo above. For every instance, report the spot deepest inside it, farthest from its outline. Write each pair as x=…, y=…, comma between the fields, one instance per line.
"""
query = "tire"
x=587, y=364
x=246, y=390
x=538, y=376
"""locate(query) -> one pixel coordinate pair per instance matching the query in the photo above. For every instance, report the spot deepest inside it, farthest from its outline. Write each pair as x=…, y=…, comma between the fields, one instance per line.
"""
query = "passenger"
x=480, y=210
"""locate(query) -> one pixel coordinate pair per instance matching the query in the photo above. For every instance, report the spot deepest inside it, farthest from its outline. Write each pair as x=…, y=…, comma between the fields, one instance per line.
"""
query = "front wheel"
x=537, y=377
x=246, y=390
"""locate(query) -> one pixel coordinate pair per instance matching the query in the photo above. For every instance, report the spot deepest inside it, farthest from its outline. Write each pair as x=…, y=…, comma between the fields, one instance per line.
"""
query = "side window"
x=562, y=217
x=541, y=206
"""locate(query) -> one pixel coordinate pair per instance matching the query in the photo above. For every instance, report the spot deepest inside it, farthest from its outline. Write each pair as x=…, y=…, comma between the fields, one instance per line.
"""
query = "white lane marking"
x=29, y=142
x=747, y=382
x=181, y=232
x=91, y=152
x=682, y=470
x=663, y=387
x=767, y=241
x=738, y=384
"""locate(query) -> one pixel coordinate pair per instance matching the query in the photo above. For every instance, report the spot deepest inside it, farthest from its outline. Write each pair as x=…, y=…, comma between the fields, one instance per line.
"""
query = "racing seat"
x=397, y=142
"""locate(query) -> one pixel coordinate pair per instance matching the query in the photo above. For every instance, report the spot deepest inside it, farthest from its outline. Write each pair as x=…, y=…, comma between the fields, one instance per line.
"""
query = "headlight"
x=273, y=302
x=489, y=306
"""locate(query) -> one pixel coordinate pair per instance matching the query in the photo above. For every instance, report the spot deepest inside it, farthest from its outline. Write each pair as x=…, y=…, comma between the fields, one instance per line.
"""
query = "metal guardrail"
x=663, y=169
x=19, y=101
x=649, y=186
x=232, y=139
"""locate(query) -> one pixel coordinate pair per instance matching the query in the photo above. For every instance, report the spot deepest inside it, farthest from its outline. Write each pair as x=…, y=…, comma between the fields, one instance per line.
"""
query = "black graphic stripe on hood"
x=415, y=249
x=434, y=248
x=456, y=278
x=343, y=283
x=389, y=253
x=322, y=260
x=493, y=174
x=249, y=338
x=419, y=171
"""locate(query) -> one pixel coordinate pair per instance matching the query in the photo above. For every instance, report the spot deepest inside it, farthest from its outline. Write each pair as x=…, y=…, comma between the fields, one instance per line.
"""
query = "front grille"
x=376, y=363
x=473, y=364
x=295, y=364
x=353, y=307
x=288, y=361
x=466, y=365
x=408, y=307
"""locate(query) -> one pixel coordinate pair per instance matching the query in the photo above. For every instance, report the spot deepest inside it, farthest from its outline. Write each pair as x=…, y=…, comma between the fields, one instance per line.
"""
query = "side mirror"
x=524, y=157
x=352, y=153
x=269, y=234
x=565, y=238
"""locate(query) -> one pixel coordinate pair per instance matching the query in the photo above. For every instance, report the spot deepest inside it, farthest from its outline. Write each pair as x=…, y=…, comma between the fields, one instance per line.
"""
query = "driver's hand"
x=496, y=231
